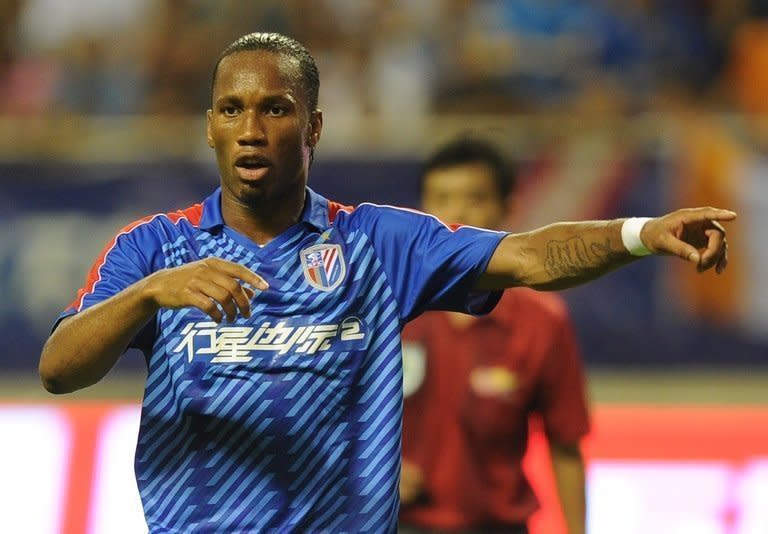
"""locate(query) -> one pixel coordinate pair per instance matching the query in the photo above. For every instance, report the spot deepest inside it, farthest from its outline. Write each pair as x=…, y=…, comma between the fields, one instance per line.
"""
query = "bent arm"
x=568, y=467
x=564, y=255
x=85, y=346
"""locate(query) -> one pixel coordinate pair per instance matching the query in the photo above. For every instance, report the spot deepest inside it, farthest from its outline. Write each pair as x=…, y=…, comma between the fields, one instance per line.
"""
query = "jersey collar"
x=315, y=211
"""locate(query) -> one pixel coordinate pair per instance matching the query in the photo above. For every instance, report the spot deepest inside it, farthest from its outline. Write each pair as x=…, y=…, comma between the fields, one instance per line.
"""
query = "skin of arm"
x=411, y=483
x=568, y=468
x=564, y=255
x=84, y=347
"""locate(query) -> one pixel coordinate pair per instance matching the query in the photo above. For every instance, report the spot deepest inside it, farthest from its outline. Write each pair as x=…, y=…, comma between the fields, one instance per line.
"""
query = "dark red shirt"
x=470, y=390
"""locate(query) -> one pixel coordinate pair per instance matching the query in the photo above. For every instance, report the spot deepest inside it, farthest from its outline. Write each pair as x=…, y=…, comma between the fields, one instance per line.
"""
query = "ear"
x=208, y=135
x=315, y=127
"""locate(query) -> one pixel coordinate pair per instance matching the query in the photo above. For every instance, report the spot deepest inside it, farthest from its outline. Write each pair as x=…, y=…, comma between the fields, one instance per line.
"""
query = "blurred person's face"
x=464, y=194
x=261, y=129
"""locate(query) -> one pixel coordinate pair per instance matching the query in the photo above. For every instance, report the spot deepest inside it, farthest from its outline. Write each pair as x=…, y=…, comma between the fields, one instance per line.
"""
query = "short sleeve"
x=562, y=399
x=120, y=264
x=429, y=265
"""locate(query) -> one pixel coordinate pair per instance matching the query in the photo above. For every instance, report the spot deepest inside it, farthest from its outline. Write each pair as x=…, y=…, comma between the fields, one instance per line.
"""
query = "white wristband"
x=630, y=236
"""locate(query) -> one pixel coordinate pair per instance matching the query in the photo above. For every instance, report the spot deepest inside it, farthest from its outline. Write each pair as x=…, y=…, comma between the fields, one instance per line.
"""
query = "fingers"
x=221, y=282
x=236, y=270
x=225, y=297
x=234, y=293
x=715, y=249
x=707, y=214
x=206, y=305
x=219, y=288
x=722, y=261
x=680, y=249
x=697, y=236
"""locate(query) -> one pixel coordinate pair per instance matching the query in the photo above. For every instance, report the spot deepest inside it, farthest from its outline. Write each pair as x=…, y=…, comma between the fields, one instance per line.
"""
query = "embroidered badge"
x=323, y=266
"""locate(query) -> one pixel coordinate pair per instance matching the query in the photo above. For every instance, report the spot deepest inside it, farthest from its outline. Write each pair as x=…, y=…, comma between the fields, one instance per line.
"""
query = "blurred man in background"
x=471, y=383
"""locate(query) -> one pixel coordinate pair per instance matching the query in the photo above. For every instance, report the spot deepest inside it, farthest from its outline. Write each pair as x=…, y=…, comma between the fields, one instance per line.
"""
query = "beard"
x=270, y=194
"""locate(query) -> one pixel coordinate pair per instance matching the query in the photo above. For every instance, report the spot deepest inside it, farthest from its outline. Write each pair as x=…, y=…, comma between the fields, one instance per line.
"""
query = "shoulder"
x=370, y=209
x=370, y=216
x=142, y=238
x=168, y=220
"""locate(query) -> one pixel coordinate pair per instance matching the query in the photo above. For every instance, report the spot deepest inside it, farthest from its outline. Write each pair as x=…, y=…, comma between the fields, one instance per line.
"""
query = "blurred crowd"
x=389, y=56
x=389, y=70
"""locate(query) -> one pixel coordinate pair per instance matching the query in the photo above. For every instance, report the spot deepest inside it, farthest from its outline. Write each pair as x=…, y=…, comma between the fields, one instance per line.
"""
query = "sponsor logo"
x=323, y=266
x=239, y=344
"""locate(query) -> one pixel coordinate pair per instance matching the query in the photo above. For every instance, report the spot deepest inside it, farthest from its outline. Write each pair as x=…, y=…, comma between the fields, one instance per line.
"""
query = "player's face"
x=261, y=129
x=463, y=194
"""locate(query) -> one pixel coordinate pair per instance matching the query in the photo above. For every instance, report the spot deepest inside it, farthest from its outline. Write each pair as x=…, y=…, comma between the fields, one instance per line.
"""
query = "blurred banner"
x=56, y=217
x=666, y=469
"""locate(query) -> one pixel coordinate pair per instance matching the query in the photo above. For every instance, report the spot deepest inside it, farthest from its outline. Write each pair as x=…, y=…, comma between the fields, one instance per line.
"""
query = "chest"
x=319, y=303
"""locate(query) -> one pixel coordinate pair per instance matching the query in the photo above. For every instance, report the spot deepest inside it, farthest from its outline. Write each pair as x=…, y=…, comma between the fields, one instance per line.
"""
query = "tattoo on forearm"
x=602, y=250
x=575, y=257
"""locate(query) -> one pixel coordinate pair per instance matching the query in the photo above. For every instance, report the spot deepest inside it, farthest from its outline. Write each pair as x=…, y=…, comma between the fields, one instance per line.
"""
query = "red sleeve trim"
x=191, y=214
x=334, y=208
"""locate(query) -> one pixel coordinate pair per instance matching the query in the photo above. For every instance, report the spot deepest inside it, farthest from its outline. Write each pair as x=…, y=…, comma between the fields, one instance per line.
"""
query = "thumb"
x=684, y=250
x=691, y=254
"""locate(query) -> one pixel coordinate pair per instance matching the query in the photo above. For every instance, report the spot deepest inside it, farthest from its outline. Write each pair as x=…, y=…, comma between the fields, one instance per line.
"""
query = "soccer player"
x=472, y=383
x=270, y=317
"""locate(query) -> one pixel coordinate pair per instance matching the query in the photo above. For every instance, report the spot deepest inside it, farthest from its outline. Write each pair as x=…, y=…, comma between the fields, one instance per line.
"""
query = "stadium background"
x=611, y=107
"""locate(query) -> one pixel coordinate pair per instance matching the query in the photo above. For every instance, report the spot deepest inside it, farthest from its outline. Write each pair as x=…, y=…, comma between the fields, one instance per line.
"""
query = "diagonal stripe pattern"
x=290, y=420
x=297, y=442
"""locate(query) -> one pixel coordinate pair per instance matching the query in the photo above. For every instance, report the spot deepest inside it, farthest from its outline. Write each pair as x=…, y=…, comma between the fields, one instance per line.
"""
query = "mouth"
x=252, y=167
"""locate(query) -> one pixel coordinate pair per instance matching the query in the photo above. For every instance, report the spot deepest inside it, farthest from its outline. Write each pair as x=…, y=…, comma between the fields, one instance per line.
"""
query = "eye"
x=229, y=111
x=276, y=111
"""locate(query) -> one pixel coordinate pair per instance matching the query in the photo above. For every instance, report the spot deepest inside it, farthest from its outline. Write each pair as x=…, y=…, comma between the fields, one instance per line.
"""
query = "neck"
x=262, y=221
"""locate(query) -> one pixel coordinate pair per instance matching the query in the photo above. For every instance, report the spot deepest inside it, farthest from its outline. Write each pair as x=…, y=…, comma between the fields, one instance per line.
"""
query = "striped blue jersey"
x=289, y=420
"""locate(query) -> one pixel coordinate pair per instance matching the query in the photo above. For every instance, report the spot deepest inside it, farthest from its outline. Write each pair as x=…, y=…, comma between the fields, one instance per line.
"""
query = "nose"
x=251, y=130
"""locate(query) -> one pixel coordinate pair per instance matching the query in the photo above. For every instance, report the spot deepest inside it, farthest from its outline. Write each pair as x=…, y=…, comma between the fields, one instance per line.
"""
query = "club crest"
x=323, y=266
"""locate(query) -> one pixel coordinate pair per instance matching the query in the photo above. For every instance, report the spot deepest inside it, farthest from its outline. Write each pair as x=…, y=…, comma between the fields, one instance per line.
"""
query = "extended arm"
x=563, y=255
x=84, y=347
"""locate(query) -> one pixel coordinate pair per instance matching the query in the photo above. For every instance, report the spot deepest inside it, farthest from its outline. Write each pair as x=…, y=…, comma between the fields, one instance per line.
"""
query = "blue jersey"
x=289, y=420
